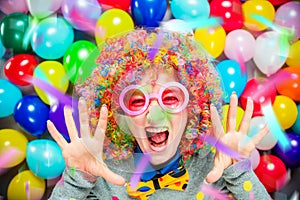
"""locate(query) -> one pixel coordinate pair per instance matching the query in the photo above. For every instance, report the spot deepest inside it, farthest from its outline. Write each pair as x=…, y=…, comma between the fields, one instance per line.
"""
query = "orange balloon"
x=290, y=85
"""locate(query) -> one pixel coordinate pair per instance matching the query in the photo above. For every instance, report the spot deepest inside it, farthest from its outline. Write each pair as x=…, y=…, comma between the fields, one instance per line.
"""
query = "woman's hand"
x=85, y=153
x=233, y=139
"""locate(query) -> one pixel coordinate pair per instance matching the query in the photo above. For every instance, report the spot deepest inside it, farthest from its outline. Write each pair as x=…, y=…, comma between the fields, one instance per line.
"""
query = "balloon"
x=26, y=184
x=109, y=4
x=52, y=37
x=271, y=51
x=52, y=72
x=32, y=114
x=256, y=90
x=272, y=173
x=41, y=9
x=230, y=11
x=287, y=16
x=291, y=156
x=278, y=2
x=75, y=55
x=253, y=8
x=239, y=45
x=12, y=143
x=232, y=77
x=213, y=39
x=177, y=25
x=296, y=126
x=13, y=29
x=293, y=58
x=19, y=66
x=82, y=14
x=148, y=13
x=254, y=158
x=239, y=116
x=290, y=86
x=56, y=116
x=111, y=23
x=44, y=158
x=267, y=142
x=286, y=111
x=190, y=9
x=9, y=97
x=2, y=49
x=13, y=6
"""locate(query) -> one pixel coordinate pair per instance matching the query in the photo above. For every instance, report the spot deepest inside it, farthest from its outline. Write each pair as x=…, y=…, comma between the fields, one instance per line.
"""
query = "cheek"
x=136, y=123
x=179, y=123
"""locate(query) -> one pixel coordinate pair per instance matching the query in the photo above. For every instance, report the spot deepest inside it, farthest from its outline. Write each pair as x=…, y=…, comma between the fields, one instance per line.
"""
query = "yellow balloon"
x=213, y=39
x=26, y=185
x=53, y=73
x=12, y=147
x=285, y=110
x=293, y=58
x=239, y=116
x=258, y=8
x=112, y=22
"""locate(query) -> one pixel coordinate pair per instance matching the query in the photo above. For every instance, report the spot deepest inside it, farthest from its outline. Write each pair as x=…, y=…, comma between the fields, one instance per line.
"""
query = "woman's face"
x=157, y=130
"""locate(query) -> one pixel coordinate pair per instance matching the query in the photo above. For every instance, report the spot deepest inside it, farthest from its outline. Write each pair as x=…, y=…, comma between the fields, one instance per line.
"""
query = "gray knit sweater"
x=79, y=185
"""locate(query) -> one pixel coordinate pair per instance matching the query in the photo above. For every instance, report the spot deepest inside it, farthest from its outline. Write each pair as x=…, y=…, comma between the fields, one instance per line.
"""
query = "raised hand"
x=85, y=153
x=233, y=139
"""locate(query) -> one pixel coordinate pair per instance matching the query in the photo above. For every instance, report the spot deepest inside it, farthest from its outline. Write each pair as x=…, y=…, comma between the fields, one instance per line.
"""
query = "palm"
x=236, y=140
x=85, y=153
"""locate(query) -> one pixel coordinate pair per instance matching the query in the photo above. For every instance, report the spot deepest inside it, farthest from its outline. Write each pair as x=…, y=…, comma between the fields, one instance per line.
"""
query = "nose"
x=155, y=114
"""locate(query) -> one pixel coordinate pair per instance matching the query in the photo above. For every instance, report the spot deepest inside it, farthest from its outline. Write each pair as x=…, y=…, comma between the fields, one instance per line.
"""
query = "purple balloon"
x=288, y=15
x=83, y=14
x=56, y=115
x=290, y=157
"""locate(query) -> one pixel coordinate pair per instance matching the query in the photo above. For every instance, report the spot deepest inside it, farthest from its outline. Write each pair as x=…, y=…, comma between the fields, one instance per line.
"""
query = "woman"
x=154, y=94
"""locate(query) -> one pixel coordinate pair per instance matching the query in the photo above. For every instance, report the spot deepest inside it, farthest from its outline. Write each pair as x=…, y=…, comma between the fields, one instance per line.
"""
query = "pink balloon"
x=288, y=15
x=240, y=45
x=83, y=14
x=10, y=6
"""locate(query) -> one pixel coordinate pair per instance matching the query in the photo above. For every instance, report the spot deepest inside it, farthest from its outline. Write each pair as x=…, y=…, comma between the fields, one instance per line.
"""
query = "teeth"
x=156, y=129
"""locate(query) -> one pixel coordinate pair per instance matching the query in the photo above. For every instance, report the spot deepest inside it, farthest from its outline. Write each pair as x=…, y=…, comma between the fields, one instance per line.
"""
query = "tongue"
x=159, y=137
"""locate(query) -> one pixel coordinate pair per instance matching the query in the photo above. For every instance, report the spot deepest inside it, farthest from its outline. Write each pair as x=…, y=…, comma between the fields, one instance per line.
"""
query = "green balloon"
x=13, y=30
x=75, y=56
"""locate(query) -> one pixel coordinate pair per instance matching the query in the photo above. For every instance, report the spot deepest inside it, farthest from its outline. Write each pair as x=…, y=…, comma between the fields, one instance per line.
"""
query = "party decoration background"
x=255, y=45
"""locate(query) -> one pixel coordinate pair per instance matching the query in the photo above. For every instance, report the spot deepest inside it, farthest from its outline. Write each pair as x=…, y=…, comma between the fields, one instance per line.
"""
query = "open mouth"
x=157, y=138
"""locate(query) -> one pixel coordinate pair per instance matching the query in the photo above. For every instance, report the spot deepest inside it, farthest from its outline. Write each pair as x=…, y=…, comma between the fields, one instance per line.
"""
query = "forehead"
x=158, y=77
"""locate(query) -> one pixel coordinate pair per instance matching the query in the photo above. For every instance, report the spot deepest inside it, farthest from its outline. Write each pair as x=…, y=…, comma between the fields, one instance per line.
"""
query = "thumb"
x=111, y=177
x=215, y=174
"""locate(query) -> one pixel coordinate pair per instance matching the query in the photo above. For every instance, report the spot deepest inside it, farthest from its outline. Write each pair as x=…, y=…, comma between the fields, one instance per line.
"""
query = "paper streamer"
x=144, y=161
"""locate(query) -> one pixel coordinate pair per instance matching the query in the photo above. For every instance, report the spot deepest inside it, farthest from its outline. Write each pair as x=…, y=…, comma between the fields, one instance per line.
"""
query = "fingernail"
x=104, y=105
x=205, y=182
x=249, y=98
x=233, y=93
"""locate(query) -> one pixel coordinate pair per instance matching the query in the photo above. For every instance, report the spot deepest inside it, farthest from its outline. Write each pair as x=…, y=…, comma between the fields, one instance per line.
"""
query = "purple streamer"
x=27, y=189
x=154, y=49
x=211, y=191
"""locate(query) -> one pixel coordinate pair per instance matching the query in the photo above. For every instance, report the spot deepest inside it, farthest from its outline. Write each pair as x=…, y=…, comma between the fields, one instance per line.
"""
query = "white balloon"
x=41, y=8
x=271, y=51
x=269, y=141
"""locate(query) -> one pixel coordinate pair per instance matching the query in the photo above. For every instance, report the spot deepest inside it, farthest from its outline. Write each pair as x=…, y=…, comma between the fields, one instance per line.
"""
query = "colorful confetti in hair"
x=123, y=61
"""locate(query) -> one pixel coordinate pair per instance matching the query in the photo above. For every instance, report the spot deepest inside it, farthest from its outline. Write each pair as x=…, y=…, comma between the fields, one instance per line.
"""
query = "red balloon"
x=259, y=93
x=121, y=4
x=278, y=2
x=271, y=172
x=290, y=86
x=230, y=11
x=19, y=66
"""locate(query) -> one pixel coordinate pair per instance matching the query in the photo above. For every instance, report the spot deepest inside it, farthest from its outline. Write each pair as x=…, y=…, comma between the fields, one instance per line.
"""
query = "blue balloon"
x=233, y=79
x=190, y=9
x=31, y=113
x=9, y=97
x=291, y=156
x=52, y=37
x=44, y=158
x=148, y=13
x=296, y=126
x=2, y=49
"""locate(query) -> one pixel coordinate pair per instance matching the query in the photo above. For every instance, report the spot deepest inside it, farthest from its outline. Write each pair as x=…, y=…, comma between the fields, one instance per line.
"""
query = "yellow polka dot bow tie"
x=175, y=180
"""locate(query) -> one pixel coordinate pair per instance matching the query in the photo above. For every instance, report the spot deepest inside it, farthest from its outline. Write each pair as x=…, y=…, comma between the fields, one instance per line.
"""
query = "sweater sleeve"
x=74, y=184
x=242, y=182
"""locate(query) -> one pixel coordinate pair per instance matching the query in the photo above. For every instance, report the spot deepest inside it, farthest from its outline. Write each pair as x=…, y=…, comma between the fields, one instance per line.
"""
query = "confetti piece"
x=153, y=50
x=274, y=126
x=222, y=147
x=214, y=192
x=139, y=170
x=247, y=186
x=27, y=189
